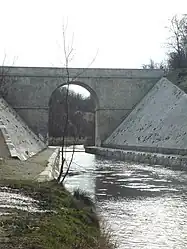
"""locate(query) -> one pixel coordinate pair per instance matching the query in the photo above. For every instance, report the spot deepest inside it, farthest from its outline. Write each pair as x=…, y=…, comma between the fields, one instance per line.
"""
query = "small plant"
x=83, y=196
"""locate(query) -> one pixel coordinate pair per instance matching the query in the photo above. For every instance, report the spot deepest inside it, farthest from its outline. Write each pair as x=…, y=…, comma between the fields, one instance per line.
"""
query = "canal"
x=144, y=206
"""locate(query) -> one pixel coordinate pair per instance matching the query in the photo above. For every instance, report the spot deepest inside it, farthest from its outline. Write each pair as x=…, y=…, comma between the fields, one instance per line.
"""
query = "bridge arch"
x=58, y=122
x=82, y=84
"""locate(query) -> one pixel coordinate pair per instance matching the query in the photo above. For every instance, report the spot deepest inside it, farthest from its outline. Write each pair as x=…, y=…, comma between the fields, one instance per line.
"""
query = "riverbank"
x=38, y=213
x=140, y=156
x=58, y=219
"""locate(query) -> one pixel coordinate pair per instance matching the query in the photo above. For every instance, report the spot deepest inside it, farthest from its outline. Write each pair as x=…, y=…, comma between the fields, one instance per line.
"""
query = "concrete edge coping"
x=141, y=152
x=151, y=149
x=139, y=156
x=51, y=171
x=83, y=72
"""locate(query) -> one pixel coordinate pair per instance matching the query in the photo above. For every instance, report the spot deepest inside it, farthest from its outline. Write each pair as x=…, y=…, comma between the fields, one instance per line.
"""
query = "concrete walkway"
x=25, y=170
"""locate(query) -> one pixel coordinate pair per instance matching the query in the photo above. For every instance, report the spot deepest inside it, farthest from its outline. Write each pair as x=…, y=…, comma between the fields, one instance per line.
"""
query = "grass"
x=72, y=222
x=83, y=198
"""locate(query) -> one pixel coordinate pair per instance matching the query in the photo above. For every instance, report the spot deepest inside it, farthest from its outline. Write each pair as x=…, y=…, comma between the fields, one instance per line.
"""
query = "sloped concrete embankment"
x=16, y=138
x=155, y=131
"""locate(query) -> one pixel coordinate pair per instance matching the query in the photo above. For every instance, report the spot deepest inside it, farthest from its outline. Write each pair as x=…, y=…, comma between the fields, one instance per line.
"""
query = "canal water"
x=144, y=206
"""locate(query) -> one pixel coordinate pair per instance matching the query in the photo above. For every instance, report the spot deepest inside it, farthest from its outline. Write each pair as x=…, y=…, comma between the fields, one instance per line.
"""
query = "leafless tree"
x=6, y=80
x=3, y=79
x=68, y=52
x=67, y=80
x=177, y=42
x=153, y=65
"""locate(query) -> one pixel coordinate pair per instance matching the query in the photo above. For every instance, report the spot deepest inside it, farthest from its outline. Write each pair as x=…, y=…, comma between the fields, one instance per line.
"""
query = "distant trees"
x=153, y=65
x=177, y=45
x=4, y=79
x=3, y=91
x=78, y=105
x=177, y=56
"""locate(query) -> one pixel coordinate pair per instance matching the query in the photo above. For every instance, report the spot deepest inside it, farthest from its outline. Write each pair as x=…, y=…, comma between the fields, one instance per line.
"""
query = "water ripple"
x=145, y=206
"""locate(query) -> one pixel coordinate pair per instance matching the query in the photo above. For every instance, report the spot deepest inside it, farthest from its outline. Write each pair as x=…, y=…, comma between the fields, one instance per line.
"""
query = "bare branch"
x=69, y=165
x=85, y=69
x=68, y=55
x=178, y=42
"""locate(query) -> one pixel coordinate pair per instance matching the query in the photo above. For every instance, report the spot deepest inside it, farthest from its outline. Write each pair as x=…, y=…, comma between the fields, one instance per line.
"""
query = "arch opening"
x=72, y=116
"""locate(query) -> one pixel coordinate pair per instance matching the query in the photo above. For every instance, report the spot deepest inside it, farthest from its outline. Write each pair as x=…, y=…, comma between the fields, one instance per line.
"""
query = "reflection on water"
x=146, y=206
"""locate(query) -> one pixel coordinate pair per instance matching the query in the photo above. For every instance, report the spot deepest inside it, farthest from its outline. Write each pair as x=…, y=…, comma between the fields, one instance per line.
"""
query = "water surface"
x=145, y=206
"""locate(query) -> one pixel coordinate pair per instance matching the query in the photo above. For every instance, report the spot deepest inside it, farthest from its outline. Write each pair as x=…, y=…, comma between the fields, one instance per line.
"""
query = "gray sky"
x=126, y=34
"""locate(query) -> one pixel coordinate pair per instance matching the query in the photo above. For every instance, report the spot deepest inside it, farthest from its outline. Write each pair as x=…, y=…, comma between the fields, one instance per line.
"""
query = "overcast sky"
x=125, y=33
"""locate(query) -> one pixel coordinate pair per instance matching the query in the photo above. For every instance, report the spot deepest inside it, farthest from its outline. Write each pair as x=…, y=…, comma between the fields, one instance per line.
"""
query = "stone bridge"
x=116, y=93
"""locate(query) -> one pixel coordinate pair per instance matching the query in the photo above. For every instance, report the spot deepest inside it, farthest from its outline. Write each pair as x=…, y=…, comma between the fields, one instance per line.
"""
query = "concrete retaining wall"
x=140, y=157
x=52, y=170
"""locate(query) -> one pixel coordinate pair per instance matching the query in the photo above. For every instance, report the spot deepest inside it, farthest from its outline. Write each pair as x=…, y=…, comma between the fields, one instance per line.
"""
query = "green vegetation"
x=69, y=223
